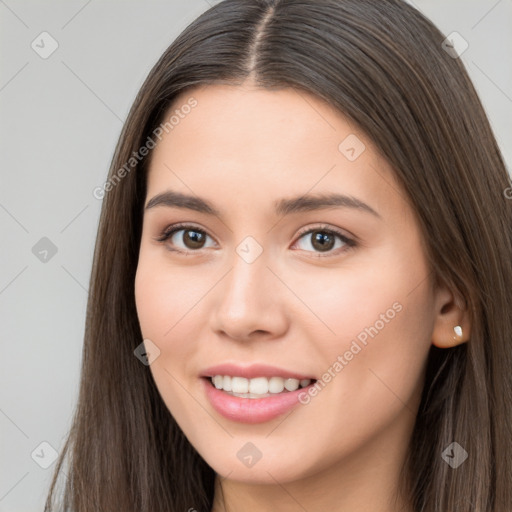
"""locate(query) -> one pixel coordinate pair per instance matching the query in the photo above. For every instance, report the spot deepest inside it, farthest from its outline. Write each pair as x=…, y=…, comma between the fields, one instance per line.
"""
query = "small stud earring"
x=458, y=332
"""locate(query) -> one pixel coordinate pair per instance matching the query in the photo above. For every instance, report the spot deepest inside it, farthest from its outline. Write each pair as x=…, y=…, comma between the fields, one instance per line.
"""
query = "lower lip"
x=251, y=410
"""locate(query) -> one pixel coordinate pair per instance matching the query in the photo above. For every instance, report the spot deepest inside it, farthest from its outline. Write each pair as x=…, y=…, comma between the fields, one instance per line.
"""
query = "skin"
x=242, y=148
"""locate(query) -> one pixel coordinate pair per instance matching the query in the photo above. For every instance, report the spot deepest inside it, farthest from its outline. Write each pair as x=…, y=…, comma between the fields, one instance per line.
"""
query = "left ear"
x=452, y=325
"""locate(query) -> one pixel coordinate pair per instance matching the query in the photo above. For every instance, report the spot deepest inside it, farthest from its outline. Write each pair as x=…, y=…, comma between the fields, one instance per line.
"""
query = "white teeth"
x=291, y=384
x=275, y=385
x=257, y=387
x=226, y=385
x=239, y=385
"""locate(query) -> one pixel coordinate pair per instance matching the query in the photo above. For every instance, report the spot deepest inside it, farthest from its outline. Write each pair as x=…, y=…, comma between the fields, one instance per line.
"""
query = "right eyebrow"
x=178, y=200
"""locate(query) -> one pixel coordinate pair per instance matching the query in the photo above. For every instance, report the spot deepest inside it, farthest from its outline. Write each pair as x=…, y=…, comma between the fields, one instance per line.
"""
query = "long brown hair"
x=382, y=64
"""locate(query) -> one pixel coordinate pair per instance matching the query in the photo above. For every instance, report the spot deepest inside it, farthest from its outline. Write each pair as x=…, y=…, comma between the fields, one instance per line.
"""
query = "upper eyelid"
x=172, y=229
x=302, y=231
x=324, y=227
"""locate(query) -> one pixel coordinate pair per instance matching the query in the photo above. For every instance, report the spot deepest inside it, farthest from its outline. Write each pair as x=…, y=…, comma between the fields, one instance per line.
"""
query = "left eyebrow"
x=305, y=203
x=308, y=203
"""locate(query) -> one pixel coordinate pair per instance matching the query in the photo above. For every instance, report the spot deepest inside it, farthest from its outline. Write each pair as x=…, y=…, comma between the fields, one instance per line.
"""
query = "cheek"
x=165, y=302
x=161, y=302
x=374, y=322
x=374, y=292
x=171, y=304
x=165, y=295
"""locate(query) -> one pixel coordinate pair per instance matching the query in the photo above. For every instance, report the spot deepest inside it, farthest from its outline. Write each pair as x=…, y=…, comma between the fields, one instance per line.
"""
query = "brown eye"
x=324, y=241
x=185, y=238
x=193, y=239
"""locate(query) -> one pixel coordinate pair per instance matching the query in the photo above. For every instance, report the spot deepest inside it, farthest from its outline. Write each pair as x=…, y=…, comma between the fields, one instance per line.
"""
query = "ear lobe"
x=451, y=324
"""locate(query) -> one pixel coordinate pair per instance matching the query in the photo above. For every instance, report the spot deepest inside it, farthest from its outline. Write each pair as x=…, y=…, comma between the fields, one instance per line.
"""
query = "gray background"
x=60, y=119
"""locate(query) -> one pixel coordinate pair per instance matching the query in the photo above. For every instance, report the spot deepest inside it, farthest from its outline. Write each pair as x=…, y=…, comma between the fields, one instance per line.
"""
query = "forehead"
x=258, y=121
x=254, y=144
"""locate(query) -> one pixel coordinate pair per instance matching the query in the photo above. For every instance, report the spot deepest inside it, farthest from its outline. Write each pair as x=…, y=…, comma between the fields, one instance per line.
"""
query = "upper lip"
x=252, y=371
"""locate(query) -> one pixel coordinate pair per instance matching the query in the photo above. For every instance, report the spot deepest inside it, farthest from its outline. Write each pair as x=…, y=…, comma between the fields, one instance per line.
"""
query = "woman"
x=300, y=290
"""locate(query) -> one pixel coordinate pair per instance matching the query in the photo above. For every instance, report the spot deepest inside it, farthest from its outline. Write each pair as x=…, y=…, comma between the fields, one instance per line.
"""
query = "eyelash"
x=171, y=230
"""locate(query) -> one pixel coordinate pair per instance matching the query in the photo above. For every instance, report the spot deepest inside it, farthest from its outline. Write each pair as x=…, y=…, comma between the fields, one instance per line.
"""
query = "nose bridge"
x=247, y=281
x=249, y=297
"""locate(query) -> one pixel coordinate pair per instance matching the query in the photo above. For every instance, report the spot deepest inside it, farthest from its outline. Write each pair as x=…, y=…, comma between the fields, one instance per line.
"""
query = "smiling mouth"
x=259, y=387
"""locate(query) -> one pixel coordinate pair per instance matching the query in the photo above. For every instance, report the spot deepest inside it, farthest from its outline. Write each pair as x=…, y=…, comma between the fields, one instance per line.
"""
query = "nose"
x=250, y=302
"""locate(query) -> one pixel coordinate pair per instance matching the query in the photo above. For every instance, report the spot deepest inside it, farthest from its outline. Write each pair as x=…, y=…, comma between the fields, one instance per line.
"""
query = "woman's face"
x=300, y=259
